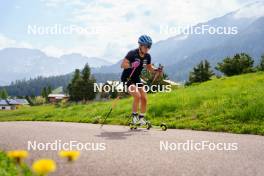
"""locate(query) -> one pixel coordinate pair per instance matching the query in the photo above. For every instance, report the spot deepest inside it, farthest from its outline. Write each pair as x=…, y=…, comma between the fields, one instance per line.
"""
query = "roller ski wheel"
x=148, y=125
x=132, y=126
x=163, y=127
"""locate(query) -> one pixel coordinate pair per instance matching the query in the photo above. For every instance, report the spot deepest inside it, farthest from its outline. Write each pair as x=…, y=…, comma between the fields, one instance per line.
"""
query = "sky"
x=106, y=29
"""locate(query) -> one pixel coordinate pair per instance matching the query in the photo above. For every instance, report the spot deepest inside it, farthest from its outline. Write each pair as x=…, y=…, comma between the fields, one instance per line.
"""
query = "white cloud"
x=122, y=21
x=59, y=3
x=83, y=50
x=53, y=51
x=6, y=42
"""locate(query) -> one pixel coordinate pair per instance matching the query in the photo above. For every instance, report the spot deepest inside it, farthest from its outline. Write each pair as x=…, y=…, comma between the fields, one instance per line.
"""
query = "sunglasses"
x=146, y=46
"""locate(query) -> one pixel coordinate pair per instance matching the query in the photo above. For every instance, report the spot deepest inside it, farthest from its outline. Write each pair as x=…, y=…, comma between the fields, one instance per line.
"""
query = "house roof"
x=22, y=101
x=3, y=102
x=57, y=96
x=171, y=82
x=17, y=101
x=11, y=101
x=113, y=83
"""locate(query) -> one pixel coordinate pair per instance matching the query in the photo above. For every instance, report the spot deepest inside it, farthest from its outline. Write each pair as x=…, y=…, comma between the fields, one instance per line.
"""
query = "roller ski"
x=140, y=122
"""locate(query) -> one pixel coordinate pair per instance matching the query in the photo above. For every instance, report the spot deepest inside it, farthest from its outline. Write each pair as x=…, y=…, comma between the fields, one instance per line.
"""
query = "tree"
x=30, y=100
x=239, y=64
x=261, y=65
x=87, y=84
x=77, y=75
x=44, y=93
x=74, y=86
x=202, y=72
x=34, y=86
x=49, y=90
x=3, y=94
x=81, y=86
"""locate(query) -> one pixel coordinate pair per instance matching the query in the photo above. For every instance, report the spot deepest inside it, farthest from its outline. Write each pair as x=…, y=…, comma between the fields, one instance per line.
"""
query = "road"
x=139, y=152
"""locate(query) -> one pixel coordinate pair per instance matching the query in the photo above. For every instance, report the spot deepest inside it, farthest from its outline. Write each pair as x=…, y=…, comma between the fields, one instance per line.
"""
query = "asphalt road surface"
x=116, y=150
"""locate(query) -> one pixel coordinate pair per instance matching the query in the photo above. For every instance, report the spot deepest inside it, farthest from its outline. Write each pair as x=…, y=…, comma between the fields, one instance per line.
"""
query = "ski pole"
x=111, y=109
x=131, y=73
x=115, y=101
x=157, y=74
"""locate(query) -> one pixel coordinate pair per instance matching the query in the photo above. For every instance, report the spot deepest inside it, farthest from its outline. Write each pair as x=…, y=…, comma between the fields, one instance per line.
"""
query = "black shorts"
x=133, y=80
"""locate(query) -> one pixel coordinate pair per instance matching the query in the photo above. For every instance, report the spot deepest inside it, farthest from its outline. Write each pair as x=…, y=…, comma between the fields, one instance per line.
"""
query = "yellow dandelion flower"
x=44, y=166
x=17, y=155
x=70, y=155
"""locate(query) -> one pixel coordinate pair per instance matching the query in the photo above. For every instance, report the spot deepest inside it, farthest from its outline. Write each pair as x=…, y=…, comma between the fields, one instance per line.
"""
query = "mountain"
x=249, y=41
x=20, y=63
x=180, y=47
x=179, y=54
x=34, y=86
x=114, y=68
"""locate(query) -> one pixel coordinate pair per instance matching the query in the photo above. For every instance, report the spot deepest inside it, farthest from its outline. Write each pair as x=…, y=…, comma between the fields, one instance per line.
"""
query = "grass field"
x=234, y=104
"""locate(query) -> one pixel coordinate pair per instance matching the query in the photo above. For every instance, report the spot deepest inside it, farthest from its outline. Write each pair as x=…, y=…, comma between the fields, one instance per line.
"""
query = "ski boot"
x=139, y=121
x=144, y=123
x=134, y=121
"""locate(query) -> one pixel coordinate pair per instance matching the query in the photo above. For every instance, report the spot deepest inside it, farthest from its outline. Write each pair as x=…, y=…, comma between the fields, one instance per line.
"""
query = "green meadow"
x=228, y=104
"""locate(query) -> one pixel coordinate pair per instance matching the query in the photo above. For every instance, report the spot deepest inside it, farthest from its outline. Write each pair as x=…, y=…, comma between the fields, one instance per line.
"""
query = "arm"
x=151, y=68
x=157, y=72
x=125, y=63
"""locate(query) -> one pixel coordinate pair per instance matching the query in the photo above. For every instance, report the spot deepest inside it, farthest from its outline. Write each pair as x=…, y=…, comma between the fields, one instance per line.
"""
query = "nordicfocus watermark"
x=59, y=29
x=58, y=145
x=100, y=87
x=191, y=145
x=199, y=30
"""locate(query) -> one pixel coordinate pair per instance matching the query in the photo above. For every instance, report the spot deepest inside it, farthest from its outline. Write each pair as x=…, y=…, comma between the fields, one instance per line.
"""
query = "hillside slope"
x=233, y=104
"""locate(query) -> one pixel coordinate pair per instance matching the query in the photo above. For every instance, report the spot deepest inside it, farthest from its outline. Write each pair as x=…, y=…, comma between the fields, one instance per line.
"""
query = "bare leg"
x=143, y=100
x=133, y=90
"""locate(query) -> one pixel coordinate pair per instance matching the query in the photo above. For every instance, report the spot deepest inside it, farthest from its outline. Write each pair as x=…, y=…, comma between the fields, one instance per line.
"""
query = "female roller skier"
x=133, y=64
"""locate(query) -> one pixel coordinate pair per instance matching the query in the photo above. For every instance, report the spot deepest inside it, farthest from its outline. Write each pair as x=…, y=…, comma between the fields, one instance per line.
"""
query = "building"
x=4, y=105
x=11, y=104
x=55, y=98
x=169, y=82
x=57, y=95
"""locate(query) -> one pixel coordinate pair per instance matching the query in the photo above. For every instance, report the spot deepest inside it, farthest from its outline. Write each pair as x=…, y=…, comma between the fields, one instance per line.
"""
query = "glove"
x=160, y=69
x=135, y=64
